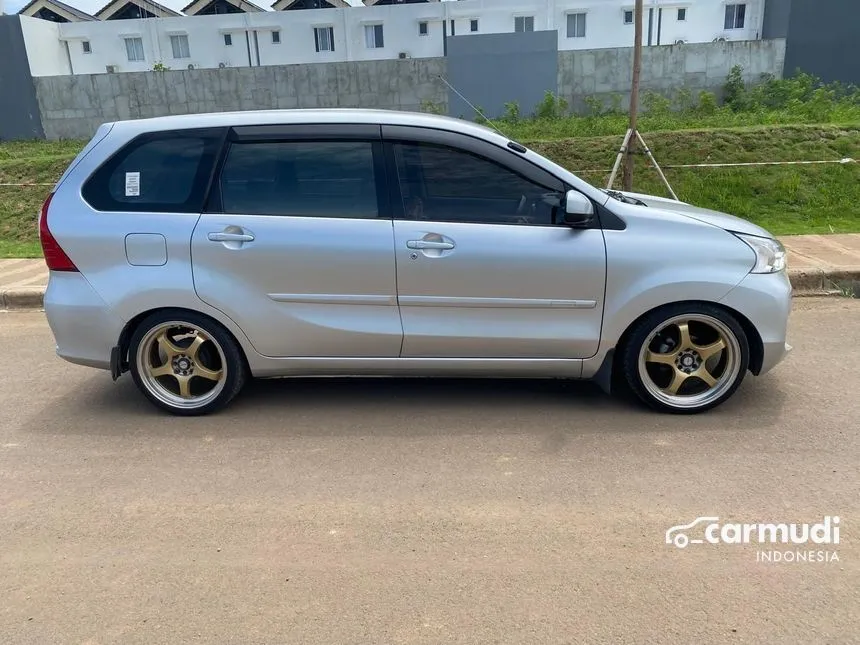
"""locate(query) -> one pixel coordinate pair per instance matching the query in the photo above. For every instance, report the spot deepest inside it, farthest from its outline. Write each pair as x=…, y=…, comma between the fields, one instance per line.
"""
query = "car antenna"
x=477, y=111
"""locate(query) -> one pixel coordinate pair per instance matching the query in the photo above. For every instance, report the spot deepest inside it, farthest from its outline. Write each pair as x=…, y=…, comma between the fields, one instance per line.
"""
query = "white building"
x=239, y=33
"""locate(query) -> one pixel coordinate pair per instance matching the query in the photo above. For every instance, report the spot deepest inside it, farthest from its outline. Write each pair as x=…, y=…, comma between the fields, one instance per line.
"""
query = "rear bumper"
x=765, y=300
x=83, y=325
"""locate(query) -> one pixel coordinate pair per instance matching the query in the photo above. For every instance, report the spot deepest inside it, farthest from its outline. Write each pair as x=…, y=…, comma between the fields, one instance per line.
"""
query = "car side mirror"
x=578, y=209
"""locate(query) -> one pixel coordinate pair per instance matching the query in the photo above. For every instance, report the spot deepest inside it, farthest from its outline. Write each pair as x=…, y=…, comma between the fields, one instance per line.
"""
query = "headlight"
x=769, y=253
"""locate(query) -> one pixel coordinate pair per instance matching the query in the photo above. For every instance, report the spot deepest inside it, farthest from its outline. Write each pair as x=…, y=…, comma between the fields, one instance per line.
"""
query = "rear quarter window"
x=166, y=172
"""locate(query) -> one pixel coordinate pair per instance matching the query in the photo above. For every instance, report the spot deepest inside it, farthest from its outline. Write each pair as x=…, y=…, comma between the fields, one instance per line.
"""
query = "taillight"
x=55, y=256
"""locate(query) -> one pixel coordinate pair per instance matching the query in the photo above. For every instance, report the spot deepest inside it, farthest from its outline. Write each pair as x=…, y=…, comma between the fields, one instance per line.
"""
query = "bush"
x=802, y=95
x=656, y=104
x=707, y=103
x=512, y=112
x=734, y=91
x=595, y=105
x=800, y=99
x=683, y=99
x=479, y=115
x=432, y=108
x=551, y=107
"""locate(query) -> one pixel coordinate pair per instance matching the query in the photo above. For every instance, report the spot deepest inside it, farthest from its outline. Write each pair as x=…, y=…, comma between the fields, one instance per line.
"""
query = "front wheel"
x=186, y=363
x=686, y=358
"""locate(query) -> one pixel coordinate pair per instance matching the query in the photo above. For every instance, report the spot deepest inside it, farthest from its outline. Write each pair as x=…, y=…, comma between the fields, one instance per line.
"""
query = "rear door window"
x=301, y=178
x=164, y=172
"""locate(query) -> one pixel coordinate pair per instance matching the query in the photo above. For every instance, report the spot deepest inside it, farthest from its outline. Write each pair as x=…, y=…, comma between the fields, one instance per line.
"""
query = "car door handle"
x=231, y=237
x=426, y=244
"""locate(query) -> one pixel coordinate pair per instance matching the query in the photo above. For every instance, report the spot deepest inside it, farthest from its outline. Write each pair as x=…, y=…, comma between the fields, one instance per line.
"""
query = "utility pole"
x=627, y=176
x=633, y=139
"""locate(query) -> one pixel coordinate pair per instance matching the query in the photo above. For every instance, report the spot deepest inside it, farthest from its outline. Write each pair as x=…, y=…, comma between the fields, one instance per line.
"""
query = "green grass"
x=13, y=249
x=613, y=124
x=786, y=200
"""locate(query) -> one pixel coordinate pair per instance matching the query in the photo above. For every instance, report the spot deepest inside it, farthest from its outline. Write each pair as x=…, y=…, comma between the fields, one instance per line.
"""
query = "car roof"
x=304, y=116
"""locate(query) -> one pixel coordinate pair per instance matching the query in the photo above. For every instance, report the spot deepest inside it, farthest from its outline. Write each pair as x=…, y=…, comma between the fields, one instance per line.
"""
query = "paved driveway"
x=375, y=511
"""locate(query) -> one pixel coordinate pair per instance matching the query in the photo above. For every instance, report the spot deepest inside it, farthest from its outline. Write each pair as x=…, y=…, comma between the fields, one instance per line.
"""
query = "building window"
x=628, y=17
x=576, y=25
x=735, y=16
x=373, y=37
x=473, y=25
x=276, y=37
x=324, y=39
x=228, y=40
x=524, y=23
x=423, y=29
x=453, y=28
x=134, y=49
x=179, y=44
x=85, y=45
x=682, y=14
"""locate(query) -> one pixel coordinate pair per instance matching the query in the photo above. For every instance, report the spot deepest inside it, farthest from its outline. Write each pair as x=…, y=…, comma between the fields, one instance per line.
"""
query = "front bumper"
x=765, y=300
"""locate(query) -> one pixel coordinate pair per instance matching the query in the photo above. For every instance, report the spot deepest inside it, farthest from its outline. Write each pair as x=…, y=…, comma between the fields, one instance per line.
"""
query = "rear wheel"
x=686, y=358
x=186, y=363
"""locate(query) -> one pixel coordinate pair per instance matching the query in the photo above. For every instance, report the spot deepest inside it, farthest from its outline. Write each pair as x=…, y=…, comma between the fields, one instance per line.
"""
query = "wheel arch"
x=131, y=326
x=756, y=346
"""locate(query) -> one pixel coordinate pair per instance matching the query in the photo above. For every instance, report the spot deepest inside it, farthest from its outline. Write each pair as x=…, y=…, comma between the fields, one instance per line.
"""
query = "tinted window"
x=443, y=184
x=300, y=178
x=164, y=172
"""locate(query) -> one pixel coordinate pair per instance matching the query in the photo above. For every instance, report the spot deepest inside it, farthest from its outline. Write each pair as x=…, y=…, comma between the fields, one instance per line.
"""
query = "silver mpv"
x=198, y=251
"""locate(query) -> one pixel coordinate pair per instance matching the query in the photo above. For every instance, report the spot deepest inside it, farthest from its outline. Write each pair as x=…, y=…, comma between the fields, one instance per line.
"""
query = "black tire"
x=230, y=361
x=633, y=353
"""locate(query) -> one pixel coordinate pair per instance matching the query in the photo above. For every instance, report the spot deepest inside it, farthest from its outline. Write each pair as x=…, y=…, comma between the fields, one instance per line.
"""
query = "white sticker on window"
x=132, y=184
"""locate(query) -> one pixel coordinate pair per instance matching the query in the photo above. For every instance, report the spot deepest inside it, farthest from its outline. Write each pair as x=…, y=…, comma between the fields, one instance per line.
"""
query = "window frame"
x=682, y=11
x=330, y=30
x=304, y=133
x=577, y=15
x=473, y=25
x=86, y=47
x=733, y=7
x=276, y=36
x=228, y=40
x=201, y=187
x=377, y=43
x=425, y=26
x=524, y=19
x=466, y=144
x=628, y=12
x=134, y=39
x=180, y=39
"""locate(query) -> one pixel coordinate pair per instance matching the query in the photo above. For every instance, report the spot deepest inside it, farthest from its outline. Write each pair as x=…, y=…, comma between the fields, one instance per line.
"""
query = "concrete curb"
x=26, y=298
x=818, y=282
x=804, y=282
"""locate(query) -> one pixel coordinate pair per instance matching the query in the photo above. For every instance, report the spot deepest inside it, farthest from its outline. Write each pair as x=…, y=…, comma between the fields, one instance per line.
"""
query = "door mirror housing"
x=578, y=209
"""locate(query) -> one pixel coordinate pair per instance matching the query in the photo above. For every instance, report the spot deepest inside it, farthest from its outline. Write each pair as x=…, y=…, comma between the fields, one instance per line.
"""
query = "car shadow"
x=396, y=406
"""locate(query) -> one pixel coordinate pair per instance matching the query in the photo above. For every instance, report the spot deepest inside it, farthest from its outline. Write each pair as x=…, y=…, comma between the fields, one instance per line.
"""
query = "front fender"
x=658, y=260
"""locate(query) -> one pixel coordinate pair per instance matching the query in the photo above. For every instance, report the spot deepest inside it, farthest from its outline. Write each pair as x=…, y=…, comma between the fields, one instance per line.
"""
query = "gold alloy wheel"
x=689, y=361
x=181, y=365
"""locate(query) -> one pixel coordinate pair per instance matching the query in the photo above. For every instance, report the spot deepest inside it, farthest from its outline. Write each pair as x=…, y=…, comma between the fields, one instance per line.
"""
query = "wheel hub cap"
x=182, y=365
x=688, y=361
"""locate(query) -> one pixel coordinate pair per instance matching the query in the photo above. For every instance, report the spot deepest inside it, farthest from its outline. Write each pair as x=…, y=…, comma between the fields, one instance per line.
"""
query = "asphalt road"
x=375, y=511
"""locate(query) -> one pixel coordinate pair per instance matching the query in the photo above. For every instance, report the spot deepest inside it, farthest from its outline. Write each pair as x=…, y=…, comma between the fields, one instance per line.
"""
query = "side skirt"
x=460, y=367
